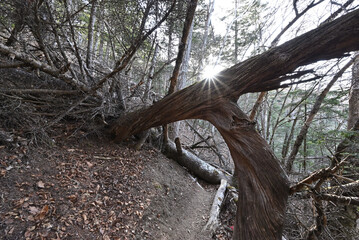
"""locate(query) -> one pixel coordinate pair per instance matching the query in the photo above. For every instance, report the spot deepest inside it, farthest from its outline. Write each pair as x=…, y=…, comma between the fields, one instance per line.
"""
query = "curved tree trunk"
x=263, y=184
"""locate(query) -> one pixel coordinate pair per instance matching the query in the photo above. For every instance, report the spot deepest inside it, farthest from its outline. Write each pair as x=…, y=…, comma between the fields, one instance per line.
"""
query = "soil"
x=60, y=183
x=95, y=189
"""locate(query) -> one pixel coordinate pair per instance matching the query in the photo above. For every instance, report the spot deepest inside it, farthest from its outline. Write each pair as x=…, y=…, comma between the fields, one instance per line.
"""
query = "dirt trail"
x=99, y=190
x=180, y=205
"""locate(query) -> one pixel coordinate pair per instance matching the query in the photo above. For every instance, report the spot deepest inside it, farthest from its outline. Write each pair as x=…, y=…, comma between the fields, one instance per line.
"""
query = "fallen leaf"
x=18, y=203
x=9, y=168
x=47, y=225
x=31, y=228
x=34, y=210
x=40, y=184
x=10, y=231
x=72, y=198
x=28, y=235
x=90, y=165
x=42, y=213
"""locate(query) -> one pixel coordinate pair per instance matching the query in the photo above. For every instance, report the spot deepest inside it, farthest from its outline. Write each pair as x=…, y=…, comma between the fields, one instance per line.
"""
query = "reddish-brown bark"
x=263, y=186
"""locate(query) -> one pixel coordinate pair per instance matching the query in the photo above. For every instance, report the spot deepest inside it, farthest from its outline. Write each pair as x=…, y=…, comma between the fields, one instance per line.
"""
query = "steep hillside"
x=98, y=190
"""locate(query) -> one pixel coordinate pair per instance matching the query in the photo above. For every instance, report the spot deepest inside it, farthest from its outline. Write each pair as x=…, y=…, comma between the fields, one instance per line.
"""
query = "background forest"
x=97, y=60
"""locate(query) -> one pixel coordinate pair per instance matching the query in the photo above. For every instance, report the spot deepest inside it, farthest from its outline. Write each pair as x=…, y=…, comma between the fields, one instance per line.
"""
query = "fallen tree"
x=212, y=223
x=196, y=165
x=263, y=186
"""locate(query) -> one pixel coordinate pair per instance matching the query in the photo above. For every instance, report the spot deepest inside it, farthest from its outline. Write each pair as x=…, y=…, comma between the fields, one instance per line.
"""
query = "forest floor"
x=67, y=185
x=95, y=189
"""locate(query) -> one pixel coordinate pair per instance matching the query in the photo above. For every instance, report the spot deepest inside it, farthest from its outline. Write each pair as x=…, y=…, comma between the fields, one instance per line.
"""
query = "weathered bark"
x=212, y=223
x=196, y=165
x=259, y=187
x=263, y=186
x=256, y=105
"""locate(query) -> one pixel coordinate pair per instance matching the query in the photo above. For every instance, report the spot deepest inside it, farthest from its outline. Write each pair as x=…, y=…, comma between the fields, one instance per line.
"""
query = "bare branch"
x=317, y=175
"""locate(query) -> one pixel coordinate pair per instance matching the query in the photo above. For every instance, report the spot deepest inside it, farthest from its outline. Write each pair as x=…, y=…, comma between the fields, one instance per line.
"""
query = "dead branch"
x=178, y=146
x=43, y=67
x=339, y=199
x=195, y=145
x=320, y=220
x=196, y=165
x=13, y=65
x=40, y=91
x=323, y=173
x=212, y=223
x=346, y=187
x=213, y=148
x=256, y=105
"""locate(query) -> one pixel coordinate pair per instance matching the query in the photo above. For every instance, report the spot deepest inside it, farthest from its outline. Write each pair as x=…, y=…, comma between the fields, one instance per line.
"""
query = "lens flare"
x=210, y=72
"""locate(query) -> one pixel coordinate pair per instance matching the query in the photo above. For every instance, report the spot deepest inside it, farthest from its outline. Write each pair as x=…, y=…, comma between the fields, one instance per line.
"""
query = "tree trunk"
x=182, y=81
x=354, y=95
x=90, y=34
x=263, y=186
x=205, y=38
x=236, y=31
x=200, y=168
x=265, y=204
x=150, y=74
x=191, y=9
x=347, y=215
